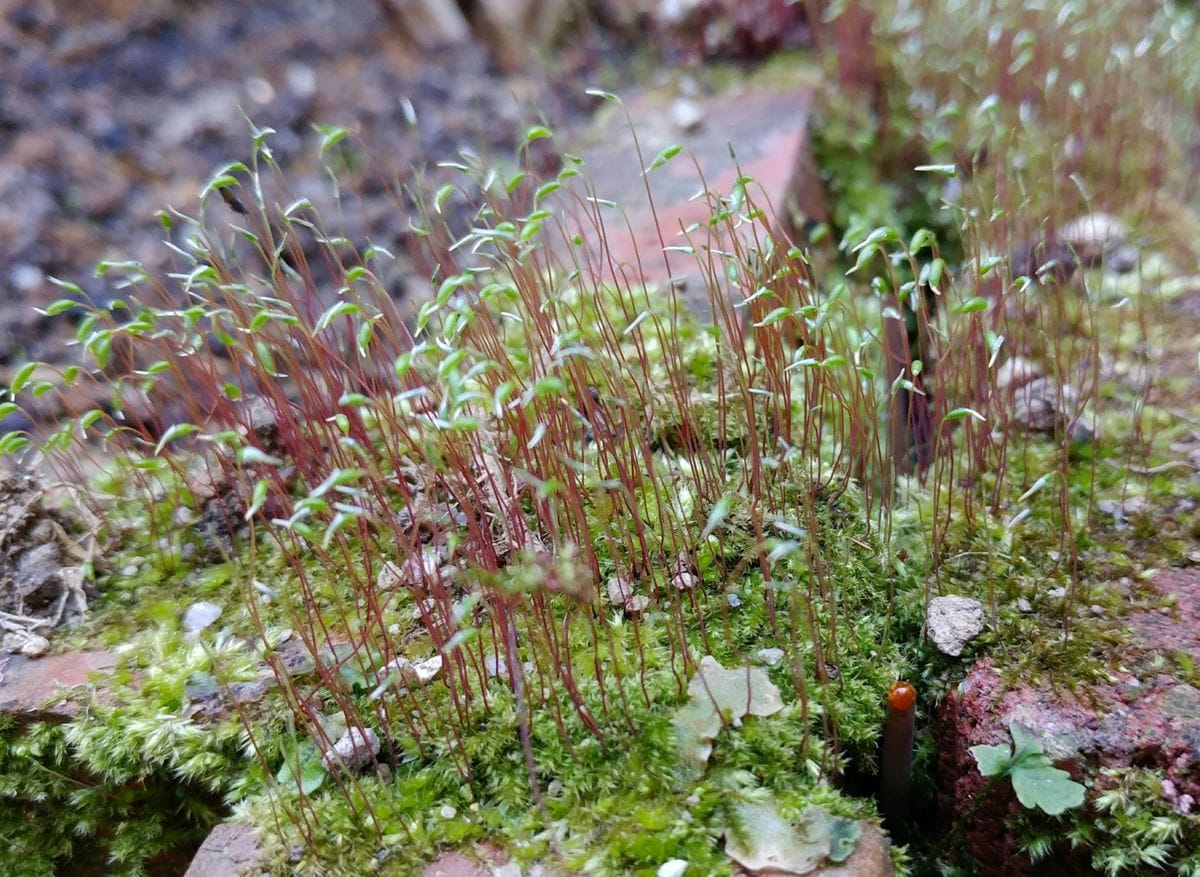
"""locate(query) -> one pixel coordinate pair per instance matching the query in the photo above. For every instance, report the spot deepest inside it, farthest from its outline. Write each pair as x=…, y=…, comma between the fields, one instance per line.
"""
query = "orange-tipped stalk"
x=895, y=766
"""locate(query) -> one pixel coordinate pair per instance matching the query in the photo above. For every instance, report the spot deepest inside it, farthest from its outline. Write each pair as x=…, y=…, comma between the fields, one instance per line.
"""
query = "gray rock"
x=954, y=621
x=418, y=674
x=430, y=24
x=37, y=579
x=686, y=115
x=200, y=615
x=1042, y=405
x=356, y=749
x=770, y=657
x=231, y=848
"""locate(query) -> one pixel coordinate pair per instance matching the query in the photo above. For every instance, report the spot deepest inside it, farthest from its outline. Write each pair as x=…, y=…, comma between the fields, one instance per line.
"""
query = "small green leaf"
x=774, y=317
x=663, y=157
x=21, y=378
x=260, y=497
x=312, y=771
x=992, y=760
x=603, y=95
x=331, y=136
x=537, y=132
x=550, y=385
x=960, y=413
x=1049, y=789
x=60, y=306
x=717, y=515
x=338, y=309
x=177, y=431
x=971, y=305
x=1025, y=741
x=545, y=190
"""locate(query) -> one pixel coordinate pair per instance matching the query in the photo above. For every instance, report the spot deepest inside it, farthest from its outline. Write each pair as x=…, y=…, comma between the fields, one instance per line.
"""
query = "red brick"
x=768, y=132
x=231, y=849
x=27, y=684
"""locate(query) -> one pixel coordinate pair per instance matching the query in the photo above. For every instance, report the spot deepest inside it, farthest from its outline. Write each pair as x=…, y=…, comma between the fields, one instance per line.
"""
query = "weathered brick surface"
x=230, y=850
x=759, y=132
x=1145, y=717
x=456, y=864
x=28, y=685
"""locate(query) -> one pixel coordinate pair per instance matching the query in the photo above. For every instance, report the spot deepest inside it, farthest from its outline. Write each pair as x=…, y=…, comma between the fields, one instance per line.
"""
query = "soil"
x=113, y=110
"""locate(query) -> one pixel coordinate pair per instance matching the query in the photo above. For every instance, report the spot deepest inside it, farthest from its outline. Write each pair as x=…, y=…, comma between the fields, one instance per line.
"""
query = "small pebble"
x=493, y=665
x=199, y=616
x=448, y=812
x=953, y=621
x=672, y=868
x=1024, y=606
x=770, y=657
x=734, y=600
x=25, y=277
x=356, y=749
x=35, y=645
x=686, y=115
x=1057, y=593
x=260, y=90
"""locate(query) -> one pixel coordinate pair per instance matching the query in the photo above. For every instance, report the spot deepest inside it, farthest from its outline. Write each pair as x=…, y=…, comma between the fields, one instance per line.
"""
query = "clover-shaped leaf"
x=1049, y=789
x=992, y=760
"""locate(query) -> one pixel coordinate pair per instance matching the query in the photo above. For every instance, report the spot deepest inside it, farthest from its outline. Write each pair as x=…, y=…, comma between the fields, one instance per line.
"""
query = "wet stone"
x=229, y=850
x=27, y=685
x=199, y=616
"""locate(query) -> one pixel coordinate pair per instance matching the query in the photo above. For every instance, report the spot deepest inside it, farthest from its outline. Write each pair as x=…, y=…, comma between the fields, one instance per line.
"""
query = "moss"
x=129, y=782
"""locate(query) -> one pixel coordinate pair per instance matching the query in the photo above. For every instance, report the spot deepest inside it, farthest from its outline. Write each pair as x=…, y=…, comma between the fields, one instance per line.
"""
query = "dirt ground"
x=111, y=110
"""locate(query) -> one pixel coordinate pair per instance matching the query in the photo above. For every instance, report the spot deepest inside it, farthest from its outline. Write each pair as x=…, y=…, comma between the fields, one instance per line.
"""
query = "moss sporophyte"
x=556, y=563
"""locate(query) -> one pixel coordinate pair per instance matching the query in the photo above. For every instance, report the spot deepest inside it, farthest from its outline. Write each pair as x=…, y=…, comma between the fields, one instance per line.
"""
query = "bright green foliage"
x=1036, y=781
x=122, y=782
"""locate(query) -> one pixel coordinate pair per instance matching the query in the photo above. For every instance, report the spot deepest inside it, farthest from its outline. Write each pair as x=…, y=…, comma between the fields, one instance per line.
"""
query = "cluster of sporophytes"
x=561, y=488
x=507, y=530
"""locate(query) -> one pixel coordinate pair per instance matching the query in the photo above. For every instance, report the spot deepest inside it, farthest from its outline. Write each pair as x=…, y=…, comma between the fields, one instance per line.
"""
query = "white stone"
x=673, y=868
x=428, y=670
x=619, y=590
x=770, y=657
x=356, y=749
x=200, y=615
x=954, y=621
x=684, y=581
x=35, y=646
x=686, y=115
x=1017, y=371
x=637, y=603
x=418, y=674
